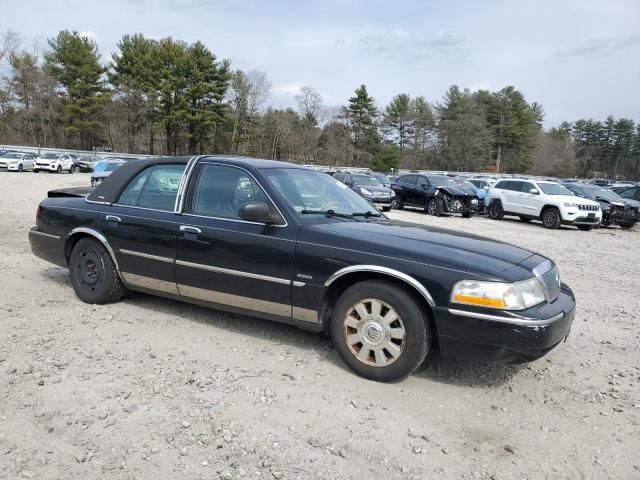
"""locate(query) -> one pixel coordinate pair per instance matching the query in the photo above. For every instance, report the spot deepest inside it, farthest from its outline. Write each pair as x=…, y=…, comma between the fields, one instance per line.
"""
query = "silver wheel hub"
x=374, y=332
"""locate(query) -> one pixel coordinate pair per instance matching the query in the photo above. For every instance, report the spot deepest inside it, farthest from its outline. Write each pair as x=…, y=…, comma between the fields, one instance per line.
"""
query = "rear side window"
x=422, y=181
x=155, y=188
x=408, y=179
x=503, y=185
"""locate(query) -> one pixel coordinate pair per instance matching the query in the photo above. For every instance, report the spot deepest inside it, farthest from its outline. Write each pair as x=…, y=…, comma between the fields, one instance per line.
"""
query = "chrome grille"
x=547, y=273
x=590, y=208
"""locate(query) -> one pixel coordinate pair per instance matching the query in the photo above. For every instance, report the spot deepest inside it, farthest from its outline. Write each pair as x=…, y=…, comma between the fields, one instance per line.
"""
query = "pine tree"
x=362, y=114
x=74, y=62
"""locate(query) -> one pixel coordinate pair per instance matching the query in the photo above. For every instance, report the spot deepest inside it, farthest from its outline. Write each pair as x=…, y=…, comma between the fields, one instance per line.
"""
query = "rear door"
x=141, y=228
x=222, y=259
x=528, y=203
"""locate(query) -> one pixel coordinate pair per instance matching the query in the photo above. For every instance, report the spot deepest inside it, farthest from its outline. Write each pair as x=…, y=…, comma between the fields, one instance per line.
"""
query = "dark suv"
x=368, y=187
x=437, y=194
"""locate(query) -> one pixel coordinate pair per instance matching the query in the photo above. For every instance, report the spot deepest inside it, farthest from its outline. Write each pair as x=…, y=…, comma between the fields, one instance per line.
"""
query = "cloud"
x=410, y=46
x=599, y=43
x=291, y=89
x=90, y=35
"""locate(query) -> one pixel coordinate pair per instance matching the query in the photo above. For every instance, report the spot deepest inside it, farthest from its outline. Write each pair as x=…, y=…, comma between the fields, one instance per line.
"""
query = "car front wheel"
x=551, y=218
x=434, y=207
x=380, y=331
x=397, y=204
x=93, y=274
x=59, y=169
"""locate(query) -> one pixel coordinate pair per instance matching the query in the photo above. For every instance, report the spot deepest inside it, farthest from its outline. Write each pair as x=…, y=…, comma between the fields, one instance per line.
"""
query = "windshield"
x=309, y=191
x=554, y=189
x=365, y=180
x=50, y=156
x=439, y=181
x=594, y=192
x=382, y=179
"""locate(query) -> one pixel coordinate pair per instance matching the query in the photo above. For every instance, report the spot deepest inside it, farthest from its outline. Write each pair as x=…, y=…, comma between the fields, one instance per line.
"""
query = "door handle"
x=112, y=218
x=189, y=229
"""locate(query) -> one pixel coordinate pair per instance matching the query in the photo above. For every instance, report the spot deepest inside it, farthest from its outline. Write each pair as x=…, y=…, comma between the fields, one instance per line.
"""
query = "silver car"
x=103, y=169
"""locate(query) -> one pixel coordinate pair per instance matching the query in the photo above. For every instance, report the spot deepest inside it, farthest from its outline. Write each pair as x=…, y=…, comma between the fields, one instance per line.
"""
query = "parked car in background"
x=85, y=164
x=630, y=193
x=387, y=292
x=54, y=162
x=368, y=187
x=382, y=178
x=615, y=209
x=104, y=168
x=482, y=183
x=470, y=187
x=17, y=161
x=436, y=194
x=548, y=202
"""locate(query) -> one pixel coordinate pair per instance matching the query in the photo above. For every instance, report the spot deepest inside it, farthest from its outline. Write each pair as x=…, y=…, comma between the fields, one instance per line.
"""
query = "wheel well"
x=341, y=284
x=547, y=207
x=71, y=242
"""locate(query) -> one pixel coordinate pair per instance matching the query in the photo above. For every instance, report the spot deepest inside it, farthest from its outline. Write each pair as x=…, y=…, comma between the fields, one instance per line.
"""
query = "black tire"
x=525, y=219
x=386, y=209
x=411, y=315
x=74, y=169
x=585, y=228
x=36, y=171
x=434, y=207
x=20, y=168
x=551, y=218
x=626, y=226
x=93, y=274
x=397, y=203
x=59, y=169
x=495, y=211
x=467, y=215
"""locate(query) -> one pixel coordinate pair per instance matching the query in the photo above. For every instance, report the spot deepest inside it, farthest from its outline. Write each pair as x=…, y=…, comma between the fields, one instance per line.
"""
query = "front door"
x=141, y=228
x=222, y=259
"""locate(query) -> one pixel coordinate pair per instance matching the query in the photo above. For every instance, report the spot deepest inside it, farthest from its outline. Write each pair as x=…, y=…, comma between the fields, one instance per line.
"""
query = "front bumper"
x=494, y=335
x=49, y=167
x=573, y=216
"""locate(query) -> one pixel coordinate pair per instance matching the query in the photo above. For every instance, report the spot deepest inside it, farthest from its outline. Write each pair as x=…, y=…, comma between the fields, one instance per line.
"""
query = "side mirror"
x=533, y=191
x=486, y=187
x=258, y=212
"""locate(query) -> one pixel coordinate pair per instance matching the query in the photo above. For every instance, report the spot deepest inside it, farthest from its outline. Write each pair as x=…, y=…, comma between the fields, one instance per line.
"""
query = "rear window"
x=155, y=188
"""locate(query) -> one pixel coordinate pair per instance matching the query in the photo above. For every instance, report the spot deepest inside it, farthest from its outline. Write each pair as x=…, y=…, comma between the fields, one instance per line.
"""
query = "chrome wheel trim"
x=374, y=332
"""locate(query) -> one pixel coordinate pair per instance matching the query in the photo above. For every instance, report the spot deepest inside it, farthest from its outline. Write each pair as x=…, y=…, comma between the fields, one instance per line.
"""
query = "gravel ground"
x=150, y=388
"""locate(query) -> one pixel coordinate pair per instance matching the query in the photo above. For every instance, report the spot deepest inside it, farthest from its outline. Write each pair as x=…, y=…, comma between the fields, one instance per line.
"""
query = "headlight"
x=569, y=204
x=505, y=296
x=392, y=194
x=474, y=201
x=365, y=191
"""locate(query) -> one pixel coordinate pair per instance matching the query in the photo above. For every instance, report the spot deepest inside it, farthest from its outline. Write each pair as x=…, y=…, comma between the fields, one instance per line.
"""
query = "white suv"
x=549, y=202
x=55, y=162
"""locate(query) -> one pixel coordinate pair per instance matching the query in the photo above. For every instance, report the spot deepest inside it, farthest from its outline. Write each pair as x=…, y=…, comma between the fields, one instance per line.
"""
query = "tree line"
x=170, y=97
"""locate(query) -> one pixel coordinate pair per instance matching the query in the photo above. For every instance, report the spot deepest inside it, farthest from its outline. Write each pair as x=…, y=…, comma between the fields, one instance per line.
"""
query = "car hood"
x=433, y=246
x=374, y=188
x=573, y=199
x=457, y=191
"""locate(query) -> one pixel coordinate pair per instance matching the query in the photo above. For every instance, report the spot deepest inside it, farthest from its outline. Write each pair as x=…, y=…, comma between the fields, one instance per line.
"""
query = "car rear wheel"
x=495, y=211
x=434, y=207
x=397, y=204
x=380, y=331
x=93, y=274
x=626, y=225
x=551, y=218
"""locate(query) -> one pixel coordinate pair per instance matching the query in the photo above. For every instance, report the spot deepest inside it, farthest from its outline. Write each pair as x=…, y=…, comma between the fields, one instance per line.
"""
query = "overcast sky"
x=578, y=58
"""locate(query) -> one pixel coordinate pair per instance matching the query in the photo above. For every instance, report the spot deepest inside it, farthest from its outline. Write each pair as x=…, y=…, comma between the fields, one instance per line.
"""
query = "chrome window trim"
x=521, y=321
x=142, y=208
x=36, y=232
x=386, y=271
x=237, y=273
x=146, y=255
x=102, y=239
x=181, y=210
x=177, y=207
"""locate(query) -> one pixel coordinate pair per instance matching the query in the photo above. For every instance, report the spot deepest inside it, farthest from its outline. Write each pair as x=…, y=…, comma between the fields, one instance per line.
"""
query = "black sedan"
x=289, y=244
x=436, y=194
x=368, y=187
